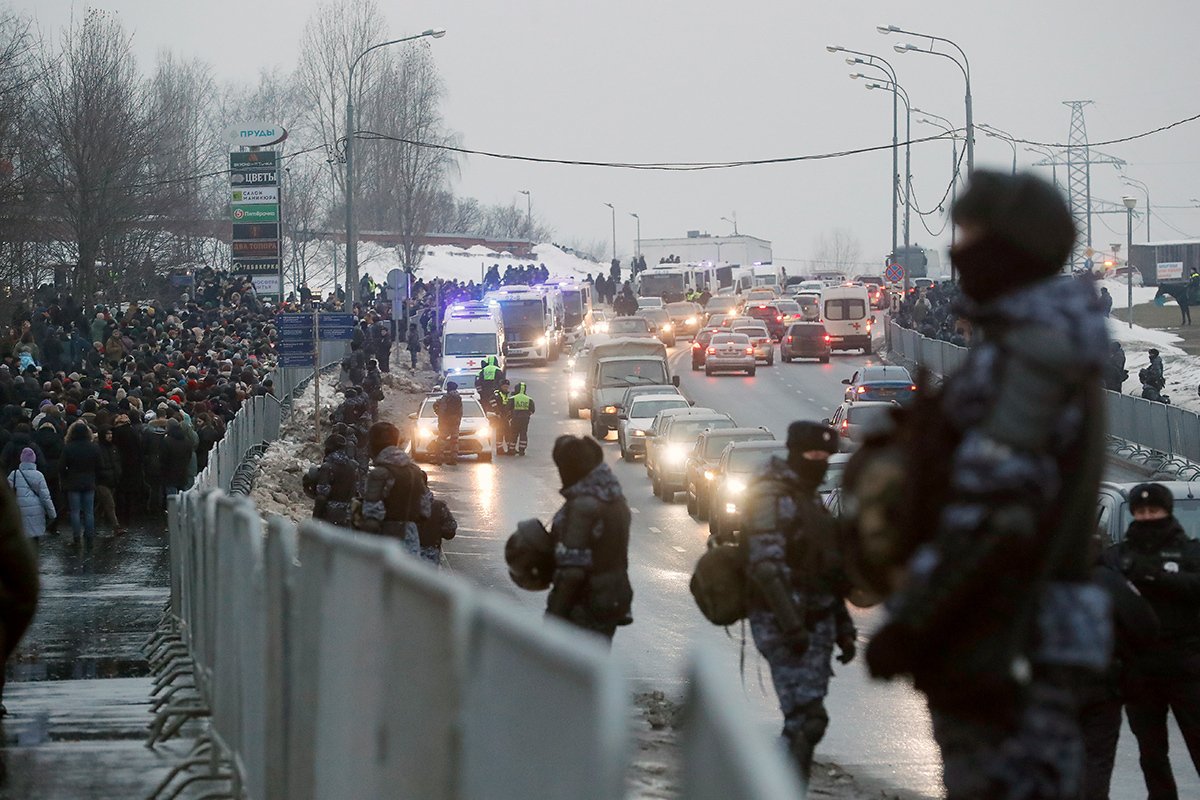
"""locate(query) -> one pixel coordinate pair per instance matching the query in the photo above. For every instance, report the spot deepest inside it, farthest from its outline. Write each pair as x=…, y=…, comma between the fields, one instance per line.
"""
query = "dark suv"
x=702, y=464
x=805, y=340
x=770, y=315
x=700, y=346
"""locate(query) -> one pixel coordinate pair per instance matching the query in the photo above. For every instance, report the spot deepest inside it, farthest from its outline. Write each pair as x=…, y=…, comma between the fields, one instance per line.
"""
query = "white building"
x=698, y=247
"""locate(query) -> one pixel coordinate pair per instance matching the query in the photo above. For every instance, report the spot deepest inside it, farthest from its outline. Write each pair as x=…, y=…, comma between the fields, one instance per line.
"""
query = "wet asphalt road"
x=877, y=730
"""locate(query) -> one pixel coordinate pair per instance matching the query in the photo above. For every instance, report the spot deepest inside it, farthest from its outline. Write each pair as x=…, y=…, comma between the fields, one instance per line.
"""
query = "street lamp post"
x=351, y=233
x=732, y=222
x=884, y=65
x=947, y=126
x=614, y=227
x=1130, y=205
x=996, y=133
x=1146, y=191
x=528, y=214
x=897, y=89
x=333, y=194
x=639, y=232
x=965, y=66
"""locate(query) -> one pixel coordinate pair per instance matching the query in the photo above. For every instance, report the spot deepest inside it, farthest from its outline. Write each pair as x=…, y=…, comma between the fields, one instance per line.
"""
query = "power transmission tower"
x=1078, y=159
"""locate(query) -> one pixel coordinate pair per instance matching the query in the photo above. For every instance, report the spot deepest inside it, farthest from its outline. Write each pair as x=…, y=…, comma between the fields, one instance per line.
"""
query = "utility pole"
x=614, y=229
x=528, y=214
x=639, y=232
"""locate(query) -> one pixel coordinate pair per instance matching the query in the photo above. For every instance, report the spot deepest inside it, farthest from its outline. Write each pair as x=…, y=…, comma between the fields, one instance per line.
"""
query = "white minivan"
x=848, y=320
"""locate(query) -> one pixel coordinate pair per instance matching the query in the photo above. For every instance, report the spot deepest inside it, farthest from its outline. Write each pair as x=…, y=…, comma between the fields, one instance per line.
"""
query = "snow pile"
x=1182, y=371
x=443, y=261
x=278, y=485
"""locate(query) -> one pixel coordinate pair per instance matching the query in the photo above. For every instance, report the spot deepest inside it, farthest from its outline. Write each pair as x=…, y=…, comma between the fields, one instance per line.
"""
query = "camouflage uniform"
x=998, y=617
x=786, y=538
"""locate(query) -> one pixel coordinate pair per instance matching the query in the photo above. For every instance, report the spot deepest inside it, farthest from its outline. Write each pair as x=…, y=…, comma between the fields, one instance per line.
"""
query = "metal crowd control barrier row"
x=337, y=665
x=1164, y=437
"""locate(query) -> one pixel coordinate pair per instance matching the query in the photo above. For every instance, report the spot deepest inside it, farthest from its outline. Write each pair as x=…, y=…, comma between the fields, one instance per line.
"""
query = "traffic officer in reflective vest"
x=522, y=409
x=487, y=381
x=503, y=418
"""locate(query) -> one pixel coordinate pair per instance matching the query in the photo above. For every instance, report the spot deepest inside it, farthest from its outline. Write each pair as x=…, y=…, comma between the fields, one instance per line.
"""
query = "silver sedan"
x=730, y=352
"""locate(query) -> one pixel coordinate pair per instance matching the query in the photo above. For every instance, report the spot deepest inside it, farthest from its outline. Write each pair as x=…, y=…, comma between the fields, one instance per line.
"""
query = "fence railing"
x=333, y=664
x=1162, y=436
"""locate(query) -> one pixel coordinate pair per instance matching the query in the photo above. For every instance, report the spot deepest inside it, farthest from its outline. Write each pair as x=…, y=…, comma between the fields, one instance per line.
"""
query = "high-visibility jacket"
x=521, y=403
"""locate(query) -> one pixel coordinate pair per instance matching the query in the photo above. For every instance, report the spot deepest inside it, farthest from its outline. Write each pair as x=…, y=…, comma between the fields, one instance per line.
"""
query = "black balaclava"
x=575, y=457
x=803, y=437
x=1026, y=234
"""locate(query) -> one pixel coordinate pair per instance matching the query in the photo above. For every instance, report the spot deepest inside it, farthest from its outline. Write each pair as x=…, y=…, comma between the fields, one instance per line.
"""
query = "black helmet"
x=529, y=553
x=334, y=442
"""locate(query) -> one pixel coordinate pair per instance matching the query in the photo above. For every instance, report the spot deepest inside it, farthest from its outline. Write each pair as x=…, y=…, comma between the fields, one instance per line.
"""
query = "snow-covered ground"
x=1181, y=370
x=443, y=261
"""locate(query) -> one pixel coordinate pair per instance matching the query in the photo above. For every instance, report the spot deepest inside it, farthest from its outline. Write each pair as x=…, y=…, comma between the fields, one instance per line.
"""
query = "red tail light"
x=749, y=351
x=845, y=424
x=779, y=317
x=712, y=350
x=828, y=338
x=695, y=345
x=789, y=340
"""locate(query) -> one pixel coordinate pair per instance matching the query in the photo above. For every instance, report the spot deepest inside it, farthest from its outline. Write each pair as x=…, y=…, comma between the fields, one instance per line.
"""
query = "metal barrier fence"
x=333, y=664
x=1162, y=436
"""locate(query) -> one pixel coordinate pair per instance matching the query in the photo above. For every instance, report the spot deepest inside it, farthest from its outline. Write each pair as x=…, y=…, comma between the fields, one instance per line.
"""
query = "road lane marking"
x=678, y=548
x=812, y=399
x=824, y=408
x=654, y=529
x=634, y=510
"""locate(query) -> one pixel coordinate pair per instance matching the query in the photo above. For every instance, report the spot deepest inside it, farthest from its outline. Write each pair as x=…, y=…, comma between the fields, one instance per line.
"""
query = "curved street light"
x=1128, y=181
x=351, y=232
x=878, y=62
x=964, y=65
x=898, y=91
x=1007, y=138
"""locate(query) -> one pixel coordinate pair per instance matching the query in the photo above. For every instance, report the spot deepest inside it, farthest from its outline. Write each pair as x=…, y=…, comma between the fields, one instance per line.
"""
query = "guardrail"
x=333, y=664
x=1163, y=437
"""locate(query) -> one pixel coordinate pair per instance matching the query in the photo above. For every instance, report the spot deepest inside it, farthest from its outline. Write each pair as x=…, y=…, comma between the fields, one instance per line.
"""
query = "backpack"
x=529, y=553
x=719, y=584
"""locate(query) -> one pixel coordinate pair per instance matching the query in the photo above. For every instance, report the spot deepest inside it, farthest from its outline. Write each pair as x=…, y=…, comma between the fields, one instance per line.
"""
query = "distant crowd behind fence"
x=336, y=665
x=1163, y=436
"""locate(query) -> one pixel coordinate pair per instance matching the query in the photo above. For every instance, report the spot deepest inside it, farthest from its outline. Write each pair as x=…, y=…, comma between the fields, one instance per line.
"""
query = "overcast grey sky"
x=669, y=80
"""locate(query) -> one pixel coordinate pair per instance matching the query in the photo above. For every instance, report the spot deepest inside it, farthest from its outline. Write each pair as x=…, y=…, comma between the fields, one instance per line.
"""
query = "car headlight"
x=690, y=321
x=602, y=327
x=637, y=432
x=425, y=433
x=709, y=475
x=675, y=453
x=541, y=341
x=668, y=327
x=576, y=382
x=610, y=409
x=731, y=508
x=735, y=486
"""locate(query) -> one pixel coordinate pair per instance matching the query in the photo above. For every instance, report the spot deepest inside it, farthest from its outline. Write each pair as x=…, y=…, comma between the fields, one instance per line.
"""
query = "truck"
x=529, y=333
x=1166, y=262
x=616, y=365
x=470, y=333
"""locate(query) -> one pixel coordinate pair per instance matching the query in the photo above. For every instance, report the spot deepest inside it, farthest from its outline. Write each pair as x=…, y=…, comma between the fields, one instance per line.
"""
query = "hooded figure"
x=995, y=612
x=396, y=499
x=33, y=496
x=591, y=533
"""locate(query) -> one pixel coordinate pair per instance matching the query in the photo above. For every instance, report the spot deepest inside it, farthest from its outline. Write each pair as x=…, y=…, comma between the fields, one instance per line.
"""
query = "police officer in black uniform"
x=396, y=499
x=1159, y=559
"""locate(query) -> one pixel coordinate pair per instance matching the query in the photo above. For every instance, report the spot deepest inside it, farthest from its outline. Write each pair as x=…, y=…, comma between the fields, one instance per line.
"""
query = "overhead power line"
x=663, y=166
x=1142, y=135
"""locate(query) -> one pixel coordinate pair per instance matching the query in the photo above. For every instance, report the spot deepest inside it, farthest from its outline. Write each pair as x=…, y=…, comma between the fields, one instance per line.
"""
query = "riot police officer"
x=332, y=484
x=522, y=408
x=796, y=607
x=373, y=389
x=396, y=499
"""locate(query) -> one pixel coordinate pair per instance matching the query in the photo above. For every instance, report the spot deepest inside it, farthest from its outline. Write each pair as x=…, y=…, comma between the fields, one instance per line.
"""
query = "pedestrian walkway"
x=78, y=689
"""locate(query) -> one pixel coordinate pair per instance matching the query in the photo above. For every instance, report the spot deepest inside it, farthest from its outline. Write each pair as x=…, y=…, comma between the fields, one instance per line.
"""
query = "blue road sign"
x=337, y=327
x=299, y=360
x=894, y=272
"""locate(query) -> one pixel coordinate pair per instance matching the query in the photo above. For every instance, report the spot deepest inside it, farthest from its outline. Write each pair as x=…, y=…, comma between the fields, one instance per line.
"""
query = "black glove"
x=849, y=648
x=891, y=651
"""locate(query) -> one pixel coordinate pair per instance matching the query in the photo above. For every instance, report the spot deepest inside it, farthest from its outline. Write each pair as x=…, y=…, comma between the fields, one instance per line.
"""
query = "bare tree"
x=91, y=122
x=411, y=166
x=837, y=250
x=19, y=267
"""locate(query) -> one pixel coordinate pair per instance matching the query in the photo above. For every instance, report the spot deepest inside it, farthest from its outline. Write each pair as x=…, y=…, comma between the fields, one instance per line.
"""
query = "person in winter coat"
x=1163, y=677
x=22, y=437
x=33, y=496
x=108, y=478
x=130, y=489
x=440, y=525
x=175, y=458
x=414, y=343
x=19, y=577
x=151, y=437
x=80, y=463
x=591, y=586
